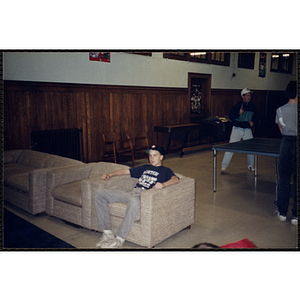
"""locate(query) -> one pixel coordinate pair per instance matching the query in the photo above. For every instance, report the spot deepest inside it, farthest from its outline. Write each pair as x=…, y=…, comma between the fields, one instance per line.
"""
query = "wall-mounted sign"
x=100, y=56
x=262, y=64
x=195, y=96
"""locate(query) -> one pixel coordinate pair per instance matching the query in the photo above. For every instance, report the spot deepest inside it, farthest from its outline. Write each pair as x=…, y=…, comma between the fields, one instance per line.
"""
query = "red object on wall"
x=245, y=243
x=100, y=56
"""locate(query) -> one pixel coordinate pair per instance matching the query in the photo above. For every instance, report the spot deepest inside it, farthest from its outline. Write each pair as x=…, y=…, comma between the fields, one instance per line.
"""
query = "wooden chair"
x=116, y=146
x=139, y=141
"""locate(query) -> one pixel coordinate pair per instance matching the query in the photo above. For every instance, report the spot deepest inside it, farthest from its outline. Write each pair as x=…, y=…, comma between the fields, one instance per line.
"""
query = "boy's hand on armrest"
x=105, y=177
x=115, y=173
x=172, y=181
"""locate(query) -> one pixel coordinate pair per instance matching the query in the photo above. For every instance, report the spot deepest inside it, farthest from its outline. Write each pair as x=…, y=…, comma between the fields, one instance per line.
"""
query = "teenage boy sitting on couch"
x=150, y=176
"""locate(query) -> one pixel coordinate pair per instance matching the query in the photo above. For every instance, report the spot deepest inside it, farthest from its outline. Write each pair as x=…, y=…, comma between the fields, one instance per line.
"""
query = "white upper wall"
x=136, y=70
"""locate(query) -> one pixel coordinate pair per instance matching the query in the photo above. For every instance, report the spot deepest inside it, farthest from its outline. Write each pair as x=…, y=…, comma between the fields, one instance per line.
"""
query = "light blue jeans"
x=103, y=197
x=237, y=134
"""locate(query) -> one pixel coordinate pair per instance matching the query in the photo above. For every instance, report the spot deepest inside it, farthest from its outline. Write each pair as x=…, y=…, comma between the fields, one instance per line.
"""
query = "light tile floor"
x=242, y=207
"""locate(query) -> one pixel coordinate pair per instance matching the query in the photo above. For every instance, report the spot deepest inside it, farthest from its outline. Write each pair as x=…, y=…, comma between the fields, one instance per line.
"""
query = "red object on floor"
x=245, y=243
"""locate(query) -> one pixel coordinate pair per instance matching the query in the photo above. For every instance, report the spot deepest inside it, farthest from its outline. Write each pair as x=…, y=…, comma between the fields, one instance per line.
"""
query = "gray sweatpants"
x=105, y=196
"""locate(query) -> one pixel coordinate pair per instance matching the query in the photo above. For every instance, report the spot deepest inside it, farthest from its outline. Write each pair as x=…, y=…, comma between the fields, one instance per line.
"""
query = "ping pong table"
x=255, y=146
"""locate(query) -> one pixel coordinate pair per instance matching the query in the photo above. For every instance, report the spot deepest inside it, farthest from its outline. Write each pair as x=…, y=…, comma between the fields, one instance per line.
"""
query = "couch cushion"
x=70, y=193
x=44, y=160
x=8, y=158
x=19, y=182
x=32, y=158
x=58, y=161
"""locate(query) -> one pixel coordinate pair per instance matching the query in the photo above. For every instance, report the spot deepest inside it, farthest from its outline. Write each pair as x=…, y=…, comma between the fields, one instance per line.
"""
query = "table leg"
x=276, y=177
x=215, y=165
x=184, y=142
x=256, y=165
x=168, y=143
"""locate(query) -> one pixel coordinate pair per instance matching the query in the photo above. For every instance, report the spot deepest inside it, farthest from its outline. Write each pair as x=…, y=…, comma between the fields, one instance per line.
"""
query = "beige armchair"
x=163, y=212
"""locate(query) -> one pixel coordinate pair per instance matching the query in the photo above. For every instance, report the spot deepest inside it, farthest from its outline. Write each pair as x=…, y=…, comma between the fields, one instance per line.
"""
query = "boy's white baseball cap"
x=245, y=91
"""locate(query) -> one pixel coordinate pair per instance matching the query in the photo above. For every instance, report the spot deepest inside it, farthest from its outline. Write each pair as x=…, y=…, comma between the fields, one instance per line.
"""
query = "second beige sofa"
x=25, y=174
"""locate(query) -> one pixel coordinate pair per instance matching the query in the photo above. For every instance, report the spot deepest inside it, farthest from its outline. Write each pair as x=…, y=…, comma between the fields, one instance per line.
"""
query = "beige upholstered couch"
x=70, y=196
x=25, y=174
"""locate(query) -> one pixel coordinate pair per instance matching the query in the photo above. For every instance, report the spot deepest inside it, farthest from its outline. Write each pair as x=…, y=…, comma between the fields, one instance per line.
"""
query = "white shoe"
x=105, y=239
x=280, y=217
x=294, y=220
x=115, y=243
x=250, y=168
x=223, y=169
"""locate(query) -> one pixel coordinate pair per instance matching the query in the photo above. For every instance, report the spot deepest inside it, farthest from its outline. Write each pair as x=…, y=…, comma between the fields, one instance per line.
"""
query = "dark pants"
x=287, y=168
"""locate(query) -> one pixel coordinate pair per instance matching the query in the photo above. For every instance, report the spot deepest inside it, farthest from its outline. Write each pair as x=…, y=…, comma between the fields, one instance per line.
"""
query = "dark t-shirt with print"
x=148, y=175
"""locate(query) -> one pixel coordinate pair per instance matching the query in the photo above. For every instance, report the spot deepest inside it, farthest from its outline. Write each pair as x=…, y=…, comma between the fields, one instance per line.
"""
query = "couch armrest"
x=63, y=175
x=166, y=211
x=37, y=188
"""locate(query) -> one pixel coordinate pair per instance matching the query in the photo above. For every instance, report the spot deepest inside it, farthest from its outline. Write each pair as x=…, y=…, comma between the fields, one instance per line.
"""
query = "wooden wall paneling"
x=9, y=98
x=105, y=112
x=222, y=101
x=126, y=112
x=55, y=110
x=66, y=113
x=184, y=108
x=97, y=109
x=112, y=114
x=79, y=107
x=168, y=112
x=143, y=118
x=157, y=116
x=46, y=109
x=120, y=111
x=27, y=124
x=35, y=116
x=98, y=122
x=16, y=119
x=8, y=119
x=134, y=108
x=90, y=127
x=136, y=112
x=116, y=100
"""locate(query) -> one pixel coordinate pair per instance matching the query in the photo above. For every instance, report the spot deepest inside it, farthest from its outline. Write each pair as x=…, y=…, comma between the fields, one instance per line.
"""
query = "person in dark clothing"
x=286, y=118
x=244, y=117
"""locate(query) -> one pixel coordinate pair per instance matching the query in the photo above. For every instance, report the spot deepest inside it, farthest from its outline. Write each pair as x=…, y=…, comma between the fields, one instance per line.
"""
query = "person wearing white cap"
x=244, y=117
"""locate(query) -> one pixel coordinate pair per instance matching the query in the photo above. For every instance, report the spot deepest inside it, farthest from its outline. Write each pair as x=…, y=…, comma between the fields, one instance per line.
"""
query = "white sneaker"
x=223, y=169
x=250, y=168
x=280, y=217
x=294, y=220
x=105, y=239
x=115, y=243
